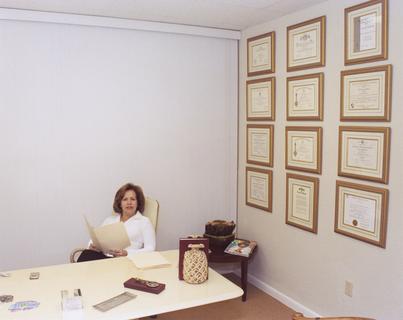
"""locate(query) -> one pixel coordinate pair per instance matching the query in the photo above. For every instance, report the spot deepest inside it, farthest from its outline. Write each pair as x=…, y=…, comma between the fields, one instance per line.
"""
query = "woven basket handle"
x=194, y=236
x=196, y=246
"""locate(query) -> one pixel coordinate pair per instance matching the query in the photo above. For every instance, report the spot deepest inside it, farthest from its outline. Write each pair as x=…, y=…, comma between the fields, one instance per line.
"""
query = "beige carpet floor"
x=258, y=306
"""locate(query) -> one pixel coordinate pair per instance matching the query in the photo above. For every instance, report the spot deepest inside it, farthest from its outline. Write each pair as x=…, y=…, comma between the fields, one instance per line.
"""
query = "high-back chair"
x=151, y=210
x=300, y=316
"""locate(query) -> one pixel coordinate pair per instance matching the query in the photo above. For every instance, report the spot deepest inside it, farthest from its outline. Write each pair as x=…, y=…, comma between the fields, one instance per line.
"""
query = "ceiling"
x=225, y=14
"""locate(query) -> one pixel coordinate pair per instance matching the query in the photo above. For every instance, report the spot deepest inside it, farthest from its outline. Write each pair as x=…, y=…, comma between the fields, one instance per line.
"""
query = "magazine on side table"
x=240, y=247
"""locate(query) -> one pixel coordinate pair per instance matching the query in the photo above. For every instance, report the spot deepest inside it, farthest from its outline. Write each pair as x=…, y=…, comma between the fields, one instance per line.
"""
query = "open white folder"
x=109, y=237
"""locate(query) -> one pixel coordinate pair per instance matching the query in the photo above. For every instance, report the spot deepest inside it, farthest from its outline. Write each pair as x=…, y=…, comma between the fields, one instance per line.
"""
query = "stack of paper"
x=148, y=260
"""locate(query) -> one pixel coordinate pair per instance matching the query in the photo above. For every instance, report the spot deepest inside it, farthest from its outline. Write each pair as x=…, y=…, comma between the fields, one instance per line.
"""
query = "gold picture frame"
x=303, y=150
x=302, y=196
x=366, y=94
x=306, y=44
x=305, y=97
x=366, y=32
x=261, y=99
x=261, y=54
x=361, y=212
x=364, y=153
x=259, y=188
x=259, y=144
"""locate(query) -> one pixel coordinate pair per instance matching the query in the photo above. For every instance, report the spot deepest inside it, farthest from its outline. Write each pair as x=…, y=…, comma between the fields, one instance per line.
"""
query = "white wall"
x=295, y=265
x=84, y=110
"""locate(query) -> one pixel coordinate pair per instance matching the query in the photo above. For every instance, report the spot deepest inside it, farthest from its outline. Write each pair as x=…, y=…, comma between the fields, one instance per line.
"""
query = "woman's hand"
x=92, y=247
x=118, y=253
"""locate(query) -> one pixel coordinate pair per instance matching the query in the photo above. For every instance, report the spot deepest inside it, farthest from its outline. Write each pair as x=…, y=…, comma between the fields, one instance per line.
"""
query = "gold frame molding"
x=322, y=45
x=269, y=175
x=316, y=158
x=314, y=219
x=353, y=230
x=319, y=97
x=383, y=175
x=271, y=37
x=387, y=69
x=270, y=147
x=383, y=55
x=270, y=115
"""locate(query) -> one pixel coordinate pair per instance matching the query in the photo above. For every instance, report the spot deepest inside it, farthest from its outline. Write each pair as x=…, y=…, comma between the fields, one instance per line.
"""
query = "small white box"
x=71, y=302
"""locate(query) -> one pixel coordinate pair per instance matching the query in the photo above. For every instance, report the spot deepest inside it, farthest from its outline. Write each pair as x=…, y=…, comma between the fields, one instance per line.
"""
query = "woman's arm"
x=148, y=232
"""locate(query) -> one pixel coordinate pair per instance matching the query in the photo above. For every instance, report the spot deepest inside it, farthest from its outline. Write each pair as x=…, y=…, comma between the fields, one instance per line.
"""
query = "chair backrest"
x=151, y=209
x=300, y=316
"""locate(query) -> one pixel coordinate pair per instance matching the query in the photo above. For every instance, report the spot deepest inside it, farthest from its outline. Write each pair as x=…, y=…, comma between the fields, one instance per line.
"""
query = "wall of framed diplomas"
x=320, y=156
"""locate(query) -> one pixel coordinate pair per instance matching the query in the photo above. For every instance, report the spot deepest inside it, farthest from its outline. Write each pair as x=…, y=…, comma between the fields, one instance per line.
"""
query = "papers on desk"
x=109, y=237
x=148, y=260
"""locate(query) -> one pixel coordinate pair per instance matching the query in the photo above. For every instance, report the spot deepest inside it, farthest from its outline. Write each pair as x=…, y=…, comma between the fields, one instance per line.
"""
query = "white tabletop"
x=102, y=279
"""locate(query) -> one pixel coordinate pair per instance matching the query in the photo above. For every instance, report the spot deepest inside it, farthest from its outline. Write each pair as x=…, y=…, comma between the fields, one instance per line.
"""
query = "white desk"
x=103, y=279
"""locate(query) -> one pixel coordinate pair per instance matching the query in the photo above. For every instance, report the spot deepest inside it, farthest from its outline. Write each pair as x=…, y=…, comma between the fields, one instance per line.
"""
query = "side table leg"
x=244, y=278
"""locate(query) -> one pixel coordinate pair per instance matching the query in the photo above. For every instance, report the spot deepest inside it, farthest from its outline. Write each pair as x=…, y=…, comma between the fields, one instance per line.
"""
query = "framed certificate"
x=260, y=99
x=361, y=212
x=306, y=44
x=261, y=56
x=364, y=153
x=259, y=188
x=366, y=94
x=302, y=202
x=259, y=148
x=303, y=149
x=305, y=97
x=366, y=32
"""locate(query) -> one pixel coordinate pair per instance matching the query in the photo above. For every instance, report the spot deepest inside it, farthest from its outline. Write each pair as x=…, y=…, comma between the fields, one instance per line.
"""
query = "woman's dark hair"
x=121, y=193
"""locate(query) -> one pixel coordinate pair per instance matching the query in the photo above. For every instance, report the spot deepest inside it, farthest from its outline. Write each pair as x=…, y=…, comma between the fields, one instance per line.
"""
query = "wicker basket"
x=195, y=265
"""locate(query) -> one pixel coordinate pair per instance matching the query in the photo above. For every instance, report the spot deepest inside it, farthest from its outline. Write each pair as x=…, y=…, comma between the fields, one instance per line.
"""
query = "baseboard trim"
x=289, y=302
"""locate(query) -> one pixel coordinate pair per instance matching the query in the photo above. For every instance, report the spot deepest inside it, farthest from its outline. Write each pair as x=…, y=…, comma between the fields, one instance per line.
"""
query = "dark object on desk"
x=240, y=247
x=184, y=246
x=6, y=298
x=144, y=285
x=34, y=276
x=222, y=257
x=220, y=233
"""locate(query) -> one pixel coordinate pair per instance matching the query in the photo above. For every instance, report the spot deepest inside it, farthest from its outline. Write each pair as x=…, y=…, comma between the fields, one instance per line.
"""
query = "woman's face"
x=129, y=203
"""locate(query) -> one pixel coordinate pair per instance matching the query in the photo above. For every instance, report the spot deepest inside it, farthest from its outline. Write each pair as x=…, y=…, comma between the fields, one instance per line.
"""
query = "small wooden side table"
x=222, y=257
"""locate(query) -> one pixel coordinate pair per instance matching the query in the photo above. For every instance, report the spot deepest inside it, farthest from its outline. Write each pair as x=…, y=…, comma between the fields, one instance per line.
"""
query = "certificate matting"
x=303, y=149
x=302, y=202
x=361, y=212
x=364, y=153
x=259, y=188
x=261, y=54
x=259, y=149
x=366, y=32
x=366, y=94
x=305, y=97
x=306, y=44
x=260, y=99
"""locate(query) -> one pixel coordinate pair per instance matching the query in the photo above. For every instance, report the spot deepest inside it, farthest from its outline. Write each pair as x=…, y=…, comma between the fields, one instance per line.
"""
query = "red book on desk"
x=183, y=247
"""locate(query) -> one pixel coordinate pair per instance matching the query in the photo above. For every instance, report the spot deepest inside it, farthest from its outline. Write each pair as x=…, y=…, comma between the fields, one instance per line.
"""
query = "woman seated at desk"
x=129, y=204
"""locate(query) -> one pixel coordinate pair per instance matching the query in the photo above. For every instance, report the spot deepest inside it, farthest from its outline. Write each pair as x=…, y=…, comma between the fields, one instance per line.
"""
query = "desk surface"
x=103, y=279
